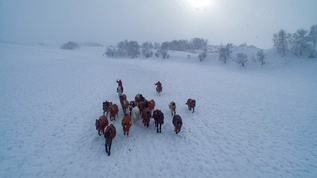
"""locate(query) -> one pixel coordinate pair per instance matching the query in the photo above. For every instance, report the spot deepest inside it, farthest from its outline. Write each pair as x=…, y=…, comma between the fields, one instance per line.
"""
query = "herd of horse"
x=133, y=110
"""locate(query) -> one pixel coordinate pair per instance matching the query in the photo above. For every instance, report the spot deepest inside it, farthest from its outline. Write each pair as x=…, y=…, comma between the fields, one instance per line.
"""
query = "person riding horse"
x=159, y=87
x=119, y=85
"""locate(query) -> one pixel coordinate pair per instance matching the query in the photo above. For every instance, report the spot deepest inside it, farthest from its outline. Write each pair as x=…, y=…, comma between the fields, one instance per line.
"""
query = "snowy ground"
x=249, y=122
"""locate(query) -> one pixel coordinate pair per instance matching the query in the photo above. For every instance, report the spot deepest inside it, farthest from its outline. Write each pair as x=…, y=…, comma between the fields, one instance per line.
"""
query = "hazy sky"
x=111, y=21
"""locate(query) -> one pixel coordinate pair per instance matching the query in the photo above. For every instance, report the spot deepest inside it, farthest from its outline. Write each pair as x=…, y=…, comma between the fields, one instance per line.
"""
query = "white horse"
x=159, y=90
x=135, y=115
x=120, y=90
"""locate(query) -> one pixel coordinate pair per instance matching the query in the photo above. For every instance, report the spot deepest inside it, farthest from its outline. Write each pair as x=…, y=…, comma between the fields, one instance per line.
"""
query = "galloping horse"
x=110, y=133
x=159, y=120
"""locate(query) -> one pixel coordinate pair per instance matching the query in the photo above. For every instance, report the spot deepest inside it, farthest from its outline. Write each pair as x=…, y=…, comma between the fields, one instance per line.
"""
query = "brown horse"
x=177, y=122
x=146, y=115
x=110, y=133
x=105, y=107
x=141, y=106
x=172, y=107
x=191, y=104
x=151, y=104
x=126, y=124
x=159, y=120
x=122, y=97
x=113, y=109
x=101, y=124
x=138, y=98
x=125, y=105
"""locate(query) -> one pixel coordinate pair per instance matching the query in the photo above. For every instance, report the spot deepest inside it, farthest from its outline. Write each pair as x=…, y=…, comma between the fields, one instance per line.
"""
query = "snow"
x=253, y=121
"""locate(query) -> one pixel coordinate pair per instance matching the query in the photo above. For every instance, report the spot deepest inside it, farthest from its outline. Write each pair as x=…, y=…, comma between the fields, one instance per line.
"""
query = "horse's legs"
x=109, y=149
x=106, y=148
x=193, y=109
x=160, y=128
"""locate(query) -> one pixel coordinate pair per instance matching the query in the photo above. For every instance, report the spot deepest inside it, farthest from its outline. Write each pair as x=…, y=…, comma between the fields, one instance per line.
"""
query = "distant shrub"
x=242, y=58
x=70, y=45
x=202, y=55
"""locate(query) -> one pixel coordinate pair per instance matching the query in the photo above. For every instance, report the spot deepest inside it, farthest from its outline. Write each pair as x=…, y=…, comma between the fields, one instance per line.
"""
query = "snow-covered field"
x=253, y=121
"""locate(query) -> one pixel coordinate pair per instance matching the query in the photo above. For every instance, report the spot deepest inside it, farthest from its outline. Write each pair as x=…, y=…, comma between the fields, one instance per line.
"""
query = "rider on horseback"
x=159, y=86
x=119, y=85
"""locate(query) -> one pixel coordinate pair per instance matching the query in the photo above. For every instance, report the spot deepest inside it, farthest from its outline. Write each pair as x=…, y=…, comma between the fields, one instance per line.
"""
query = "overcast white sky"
x=111, y=21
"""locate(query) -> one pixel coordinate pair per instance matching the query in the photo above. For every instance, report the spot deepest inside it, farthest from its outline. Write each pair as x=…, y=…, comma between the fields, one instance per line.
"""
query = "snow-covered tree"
x=133, y=49
x=158, y=53
x=157, y=45
x=70, y=45
x=242, y=58
x=225, y=52
x=198, y=43
x=146, y=49
x=261, y=56
x=164, y=53
x=281, y=40
x=313, y=34
x=299, y=42
x=202, y=55
x=110, y=51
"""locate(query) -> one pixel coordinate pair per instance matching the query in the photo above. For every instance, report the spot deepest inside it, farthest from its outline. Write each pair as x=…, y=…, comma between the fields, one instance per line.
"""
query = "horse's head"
x=97, y=123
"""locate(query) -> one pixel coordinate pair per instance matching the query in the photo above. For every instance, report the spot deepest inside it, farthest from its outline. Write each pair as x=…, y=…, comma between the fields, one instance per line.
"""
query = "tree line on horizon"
x=148, y=49
x=300, y=43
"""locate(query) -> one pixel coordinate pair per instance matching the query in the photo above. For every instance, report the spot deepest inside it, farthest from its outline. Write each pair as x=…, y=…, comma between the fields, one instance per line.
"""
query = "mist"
x=108, y=22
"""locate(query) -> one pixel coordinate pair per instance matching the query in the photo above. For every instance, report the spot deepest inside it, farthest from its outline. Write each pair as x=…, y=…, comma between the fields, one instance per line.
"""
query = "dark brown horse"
x=177, y=122
x=159, y=120
x=101, y=124
x=110, y=133
x=191, y=104
x=146, y=115
x=105, y=107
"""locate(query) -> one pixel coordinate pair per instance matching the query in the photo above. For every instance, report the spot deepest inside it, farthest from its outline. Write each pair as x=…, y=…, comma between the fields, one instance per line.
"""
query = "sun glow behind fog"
x=201, y=4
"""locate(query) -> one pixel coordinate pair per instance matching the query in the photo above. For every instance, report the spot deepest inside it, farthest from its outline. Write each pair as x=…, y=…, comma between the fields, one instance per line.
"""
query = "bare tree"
x=281, y=40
